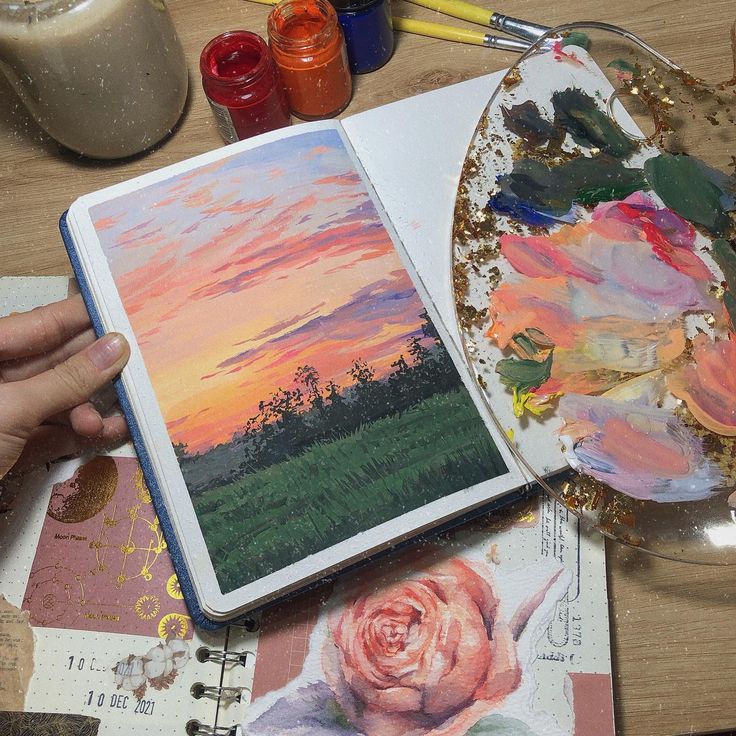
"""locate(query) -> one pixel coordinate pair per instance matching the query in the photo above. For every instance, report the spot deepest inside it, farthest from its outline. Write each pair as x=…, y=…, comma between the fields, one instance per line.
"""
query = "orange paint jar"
x=308, y=47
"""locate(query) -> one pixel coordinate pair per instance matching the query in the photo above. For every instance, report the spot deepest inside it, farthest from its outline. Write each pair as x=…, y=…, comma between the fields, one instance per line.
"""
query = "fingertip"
x=86, y=421
x=110, y=351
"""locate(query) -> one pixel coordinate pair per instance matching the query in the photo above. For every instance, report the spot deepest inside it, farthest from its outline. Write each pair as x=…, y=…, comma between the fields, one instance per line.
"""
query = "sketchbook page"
x=500, y=626
x=413, y=151
x=291, y=381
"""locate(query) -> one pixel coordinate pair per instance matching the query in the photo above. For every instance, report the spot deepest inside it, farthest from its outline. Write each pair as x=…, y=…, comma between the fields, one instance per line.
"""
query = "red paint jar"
x=243, y=86
x=308, y=47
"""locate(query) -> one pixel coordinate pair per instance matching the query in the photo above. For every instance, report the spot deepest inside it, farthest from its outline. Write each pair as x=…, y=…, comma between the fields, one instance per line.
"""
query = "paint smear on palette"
x=101, y=562
x=709, y=384
x=603, y=295
x=643, y=451
x=609, y=297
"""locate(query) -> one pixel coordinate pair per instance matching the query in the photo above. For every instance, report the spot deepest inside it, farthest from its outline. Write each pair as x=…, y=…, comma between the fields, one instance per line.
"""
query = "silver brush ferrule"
x=506, y=44
x=517, y=27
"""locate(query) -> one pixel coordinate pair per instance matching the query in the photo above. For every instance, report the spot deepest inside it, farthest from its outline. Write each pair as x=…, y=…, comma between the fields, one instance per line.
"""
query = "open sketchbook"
x=95, y=639
x=295, y=396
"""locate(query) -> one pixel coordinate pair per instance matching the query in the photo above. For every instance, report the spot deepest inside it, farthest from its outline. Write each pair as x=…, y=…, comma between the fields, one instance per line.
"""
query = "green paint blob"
x=539, y=186
x=578, y=114
x=601, y=179
x=527, y=122
x=524, y=375
x=587, y=180
x=725, y=256
x=683, y=186
x=729, y=301
x=576, y=38
x=524, y=344
x=623, y=66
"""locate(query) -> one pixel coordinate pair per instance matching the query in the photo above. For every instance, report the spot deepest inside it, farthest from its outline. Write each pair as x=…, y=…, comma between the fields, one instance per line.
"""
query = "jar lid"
x=351, y=6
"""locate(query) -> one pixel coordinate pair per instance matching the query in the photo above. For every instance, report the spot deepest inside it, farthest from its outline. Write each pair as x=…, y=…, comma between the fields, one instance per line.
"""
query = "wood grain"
x=672, y=624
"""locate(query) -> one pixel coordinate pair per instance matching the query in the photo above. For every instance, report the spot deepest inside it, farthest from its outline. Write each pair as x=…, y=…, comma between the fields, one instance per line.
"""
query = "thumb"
x=75, y=380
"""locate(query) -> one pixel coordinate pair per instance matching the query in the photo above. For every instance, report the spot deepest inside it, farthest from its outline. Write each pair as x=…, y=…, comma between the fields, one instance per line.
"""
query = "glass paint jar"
x=308, y=47
x=106, y=78
x=368, y=30
x=243, y=86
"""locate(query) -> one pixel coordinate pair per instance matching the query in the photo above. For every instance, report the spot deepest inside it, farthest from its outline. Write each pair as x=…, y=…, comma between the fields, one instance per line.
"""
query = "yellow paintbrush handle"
x=460, y=9
x=452, y=33
x=438, y=30
x=475, y=14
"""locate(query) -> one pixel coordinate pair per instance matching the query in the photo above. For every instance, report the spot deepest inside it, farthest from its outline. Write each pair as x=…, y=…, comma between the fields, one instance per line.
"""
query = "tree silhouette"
x=284, y=405
x=428, y=328
x=401, y=366
x=308, y=376
x=333, y=393
x=417, y=351
x=361, y=372
x=180, y=450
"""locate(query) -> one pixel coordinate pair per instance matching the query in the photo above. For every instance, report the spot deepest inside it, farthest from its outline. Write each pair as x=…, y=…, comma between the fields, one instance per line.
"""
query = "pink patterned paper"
x=101, y=562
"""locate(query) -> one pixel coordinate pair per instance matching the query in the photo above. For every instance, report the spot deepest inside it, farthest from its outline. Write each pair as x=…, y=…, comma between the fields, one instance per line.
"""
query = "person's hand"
x=50, y=367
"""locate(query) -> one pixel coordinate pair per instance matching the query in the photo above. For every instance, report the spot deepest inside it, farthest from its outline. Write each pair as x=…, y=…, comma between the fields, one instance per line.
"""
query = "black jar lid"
x=352, y=6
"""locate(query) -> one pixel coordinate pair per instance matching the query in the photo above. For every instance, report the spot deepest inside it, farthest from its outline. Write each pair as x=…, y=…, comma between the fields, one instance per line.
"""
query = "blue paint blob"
x=517, y=209
x=368, y=30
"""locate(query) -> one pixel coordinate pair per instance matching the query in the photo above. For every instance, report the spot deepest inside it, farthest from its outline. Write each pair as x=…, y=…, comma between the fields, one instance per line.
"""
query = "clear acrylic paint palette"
x=594, y=273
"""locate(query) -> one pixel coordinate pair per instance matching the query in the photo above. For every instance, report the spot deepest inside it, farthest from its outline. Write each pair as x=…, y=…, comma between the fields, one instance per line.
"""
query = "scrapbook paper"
x=101, y=563
x=498, y=627
x=47, y=724
x=16, y=656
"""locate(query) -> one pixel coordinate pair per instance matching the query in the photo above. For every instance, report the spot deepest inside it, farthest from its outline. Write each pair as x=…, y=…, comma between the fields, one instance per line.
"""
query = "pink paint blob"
x=708, y=385
x=643, y=451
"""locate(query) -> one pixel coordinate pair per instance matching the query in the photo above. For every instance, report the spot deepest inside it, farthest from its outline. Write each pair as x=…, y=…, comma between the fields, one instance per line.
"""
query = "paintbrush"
x=462, y=35
x=484, y=17
x=448, y=33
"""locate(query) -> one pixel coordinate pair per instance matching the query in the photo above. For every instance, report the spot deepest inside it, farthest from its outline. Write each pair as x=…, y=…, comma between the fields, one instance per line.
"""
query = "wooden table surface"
x=672, y=624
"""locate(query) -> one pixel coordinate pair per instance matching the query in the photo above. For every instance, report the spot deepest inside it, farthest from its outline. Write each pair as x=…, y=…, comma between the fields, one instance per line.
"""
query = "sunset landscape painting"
x=306, y=392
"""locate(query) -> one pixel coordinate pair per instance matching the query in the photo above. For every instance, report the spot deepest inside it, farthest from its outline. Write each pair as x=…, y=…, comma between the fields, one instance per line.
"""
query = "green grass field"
x=276, y=516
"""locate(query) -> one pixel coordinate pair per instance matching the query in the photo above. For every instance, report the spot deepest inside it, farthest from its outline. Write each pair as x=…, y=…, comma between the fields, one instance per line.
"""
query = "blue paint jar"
x=368, y=30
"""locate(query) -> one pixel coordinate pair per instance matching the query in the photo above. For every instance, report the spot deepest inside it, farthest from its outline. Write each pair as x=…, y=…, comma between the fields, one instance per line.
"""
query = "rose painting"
x=437, y=642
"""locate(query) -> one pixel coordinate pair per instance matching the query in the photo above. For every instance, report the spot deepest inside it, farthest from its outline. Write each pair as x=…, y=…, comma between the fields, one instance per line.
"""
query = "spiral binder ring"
x=200, y=690
x=196, y=728
x=222, y=656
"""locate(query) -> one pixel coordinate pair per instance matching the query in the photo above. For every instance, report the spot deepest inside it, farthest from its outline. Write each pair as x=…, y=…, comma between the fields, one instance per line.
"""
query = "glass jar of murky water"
x=106, y=78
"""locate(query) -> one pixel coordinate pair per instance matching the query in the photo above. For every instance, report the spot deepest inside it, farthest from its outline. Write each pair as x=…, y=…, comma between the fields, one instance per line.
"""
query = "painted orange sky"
x=236, y=273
